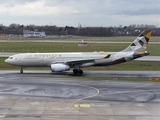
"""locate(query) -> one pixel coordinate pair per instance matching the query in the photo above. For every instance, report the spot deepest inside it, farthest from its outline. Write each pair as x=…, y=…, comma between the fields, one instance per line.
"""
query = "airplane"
x=59, y=62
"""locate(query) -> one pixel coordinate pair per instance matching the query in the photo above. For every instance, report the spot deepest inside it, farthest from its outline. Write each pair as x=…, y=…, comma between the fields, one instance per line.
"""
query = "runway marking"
x=82, y=105
x=34, y=103
x=154, y=79
x=74, y=103
x=75, y=106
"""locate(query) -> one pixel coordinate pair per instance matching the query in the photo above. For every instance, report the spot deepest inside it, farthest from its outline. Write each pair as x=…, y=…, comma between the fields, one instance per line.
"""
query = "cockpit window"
x=10, y=57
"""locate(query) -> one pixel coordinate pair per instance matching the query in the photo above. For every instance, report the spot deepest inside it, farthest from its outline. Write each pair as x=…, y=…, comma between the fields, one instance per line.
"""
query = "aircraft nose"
x=6, y=61
x=10, y=61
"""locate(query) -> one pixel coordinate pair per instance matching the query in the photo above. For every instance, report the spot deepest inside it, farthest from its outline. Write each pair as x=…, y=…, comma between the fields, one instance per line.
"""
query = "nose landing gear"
x=21, y=70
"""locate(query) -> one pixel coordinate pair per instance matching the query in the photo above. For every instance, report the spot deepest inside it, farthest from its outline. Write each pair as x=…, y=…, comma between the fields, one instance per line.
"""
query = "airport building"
x=27, y=33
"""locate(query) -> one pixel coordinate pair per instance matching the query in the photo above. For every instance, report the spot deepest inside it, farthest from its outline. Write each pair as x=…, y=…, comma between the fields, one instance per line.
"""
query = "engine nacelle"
x=59, y=67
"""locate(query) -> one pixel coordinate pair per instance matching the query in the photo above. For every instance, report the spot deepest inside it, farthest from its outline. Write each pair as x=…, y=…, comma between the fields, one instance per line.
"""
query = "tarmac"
x=41, y=95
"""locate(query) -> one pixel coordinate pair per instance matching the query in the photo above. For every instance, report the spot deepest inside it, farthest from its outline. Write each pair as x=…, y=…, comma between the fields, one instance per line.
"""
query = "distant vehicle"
x=59, y=62
x=82, y=44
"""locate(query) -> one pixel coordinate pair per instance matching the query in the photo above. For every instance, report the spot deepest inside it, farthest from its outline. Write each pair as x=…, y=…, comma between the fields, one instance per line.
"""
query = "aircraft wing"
x=72, y=63
x=83, y=62
x=79, y=62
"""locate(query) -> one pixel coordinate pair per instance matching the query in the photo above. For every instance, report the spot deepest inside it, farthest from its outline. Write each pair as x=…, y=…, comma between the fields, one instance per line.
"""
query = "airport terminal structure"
x=27, y=33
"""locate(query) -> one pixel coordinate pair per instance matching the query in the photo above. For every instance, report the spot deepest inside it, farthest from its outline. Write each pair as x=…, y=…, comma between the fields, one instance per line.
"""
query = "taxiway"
x=35, y=96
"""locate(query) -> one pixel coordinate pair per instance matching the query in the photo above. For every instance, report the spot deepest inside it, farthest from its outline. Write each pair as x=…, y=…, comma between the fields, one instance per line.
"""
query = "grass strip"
x=80, y=38
x=69, y=47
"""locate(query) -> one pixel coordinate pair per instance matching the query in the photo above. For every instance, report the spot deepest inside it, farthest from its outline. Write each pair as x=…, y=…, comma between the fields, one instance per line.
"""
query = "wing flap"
x=72, y=63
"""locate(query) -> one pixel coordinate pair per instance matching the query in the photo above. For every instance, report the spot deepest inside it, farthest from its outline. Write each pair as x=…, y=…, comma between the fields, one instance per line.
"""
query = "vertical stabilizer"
x=139, y=45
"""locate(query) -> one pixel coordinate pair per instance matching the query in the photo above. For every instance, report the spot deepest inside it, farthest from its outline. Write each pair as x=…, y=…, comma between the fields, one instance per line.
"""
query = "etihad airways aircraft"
x=59, y=62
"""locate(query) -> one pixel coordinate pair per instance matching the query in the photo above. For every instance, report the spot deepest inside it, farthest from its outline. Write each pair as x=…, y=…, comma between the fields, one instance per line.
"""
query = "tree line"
x=50, y=30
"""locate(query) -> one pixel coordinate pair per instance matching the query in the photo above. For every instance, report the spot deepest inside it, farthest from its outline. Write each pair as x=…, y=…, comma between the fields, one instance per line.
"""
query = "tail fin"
x=139, y=45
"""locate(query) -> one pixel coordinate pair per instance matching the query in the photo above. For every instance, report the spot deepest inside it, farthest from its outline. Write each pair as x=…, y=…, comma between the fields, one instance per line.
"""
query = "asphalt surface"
x=39, y=95
x=36, y=83
x=86, y=73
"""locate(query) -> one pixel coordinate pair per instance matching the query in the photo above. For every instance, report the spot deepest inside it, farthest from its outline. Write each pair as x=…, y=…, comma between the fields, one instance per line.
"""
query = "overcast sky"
x=104, y=13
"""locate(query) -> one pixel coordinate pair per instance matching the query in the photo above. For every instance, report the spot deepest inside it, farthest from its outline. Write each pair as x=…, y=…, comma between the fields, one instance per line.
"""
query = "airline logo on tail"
x=135, y=50
x=139, y=45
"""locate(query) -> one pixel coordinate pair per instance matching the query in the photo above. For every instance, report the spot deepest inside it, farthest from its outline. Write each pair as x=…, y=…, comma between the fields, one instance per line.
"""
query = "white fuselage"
x=46, y=59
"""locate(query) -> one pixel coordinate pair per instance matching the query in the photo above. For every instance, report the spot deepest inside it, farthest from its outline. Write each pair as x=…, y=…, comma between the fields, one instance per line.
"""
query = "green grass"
x=69, y=47
x=132, y=65
x=79, y=38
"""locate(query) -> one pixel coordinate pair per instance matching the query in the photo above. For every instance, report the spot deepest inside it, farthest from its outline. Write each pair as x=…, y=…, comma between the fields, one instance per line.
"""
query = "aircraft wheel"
x=80, y=71
x=75, y=71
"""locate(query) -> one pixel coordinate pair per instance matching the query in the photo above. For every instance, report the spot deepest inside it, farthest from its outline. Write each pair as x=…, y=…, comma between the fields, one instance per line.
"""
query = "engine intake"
x=59, y=67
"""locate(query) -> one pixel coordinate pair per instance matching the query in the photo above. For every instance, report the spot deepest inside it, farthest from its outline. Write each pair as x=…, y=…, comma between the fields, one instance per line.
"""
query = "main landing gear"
x=77, y=71
x=21, y=70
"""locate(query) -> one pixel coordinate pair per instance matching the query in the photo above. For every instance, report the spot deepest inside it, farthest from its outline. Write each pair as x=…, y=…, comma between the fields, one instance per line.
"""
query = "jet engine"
x=59, y=67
